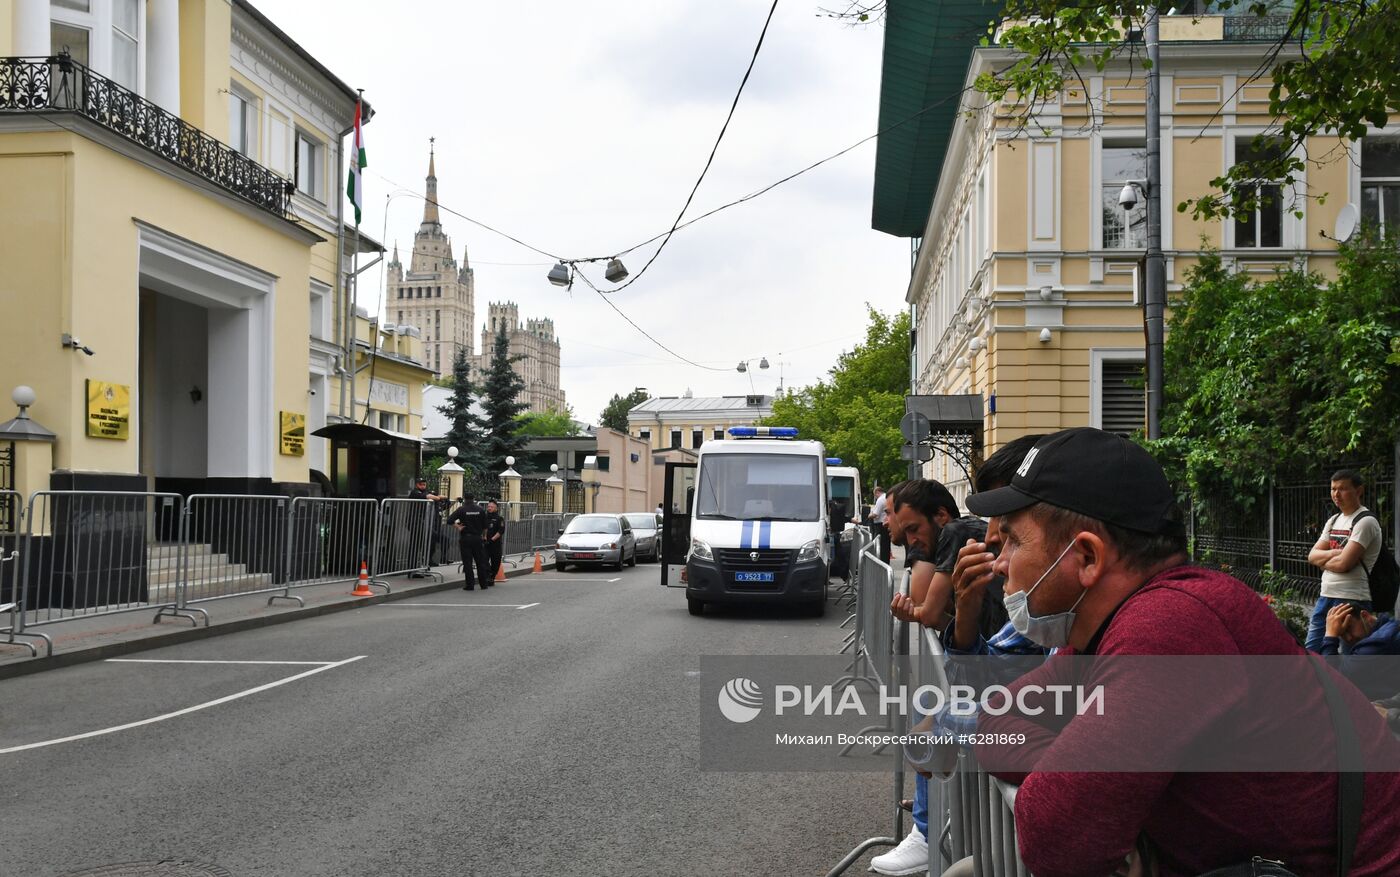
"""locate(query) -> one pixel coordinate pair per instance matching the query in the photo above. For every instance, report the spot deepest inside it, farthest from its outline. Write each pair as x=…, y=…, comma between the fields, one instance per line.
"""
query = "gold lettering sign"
x=293, y=434
x=108, y=410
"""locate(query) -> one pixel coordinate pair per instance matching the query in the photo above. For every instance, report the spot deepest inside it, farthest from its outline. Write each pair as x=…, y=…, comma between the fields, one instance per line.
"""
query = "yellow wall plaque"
x=108, y=410
x=293, y=434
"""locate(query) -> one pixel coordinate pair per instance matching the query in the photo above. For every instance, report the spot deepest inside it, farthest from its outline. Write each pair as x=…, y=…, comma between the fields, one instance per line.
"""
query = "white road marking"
x=615, y=580
x=457, y=605
x=181, y=661
x=186, y=711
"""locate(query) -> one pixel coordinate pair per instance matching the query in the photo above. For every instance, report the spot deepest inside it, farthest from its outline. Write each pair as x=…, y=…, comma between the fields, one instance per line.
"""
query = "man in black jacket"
x=495, y=537
x=470, y=522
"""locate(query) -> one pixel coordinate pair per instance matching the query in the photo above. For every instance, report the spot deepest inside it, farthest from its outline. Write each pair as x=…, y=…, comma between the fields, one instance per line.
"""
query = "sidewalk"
x=78, y=640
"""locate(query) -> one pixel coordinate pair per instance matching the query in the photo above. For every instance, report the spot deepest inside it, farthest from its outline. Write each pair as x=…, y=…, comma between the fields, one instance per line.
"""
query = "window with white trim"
x=1263, y=226
x=242, y=121
x=1380, y=183
x=105, y=35
x=1121, y=162
x=308, y=167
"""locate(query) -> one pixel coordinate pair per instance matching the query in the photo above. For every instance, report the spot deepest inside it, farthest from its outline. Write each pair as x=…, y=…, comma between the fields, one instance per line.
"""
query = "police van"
x=756, y=520
x=843, y=486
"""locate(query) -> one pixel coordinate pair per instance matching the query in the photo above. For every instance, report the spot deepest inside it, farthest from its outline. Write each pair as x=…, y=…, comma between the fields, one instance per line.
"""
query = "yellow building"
x=1024, y=291
x=669, y=422
x=170, y=229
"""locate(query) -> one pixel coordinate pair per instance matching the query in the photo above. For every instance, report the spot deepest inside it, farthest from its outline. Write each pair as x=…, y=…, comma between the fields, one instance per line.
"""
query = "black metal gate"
x=8, y=509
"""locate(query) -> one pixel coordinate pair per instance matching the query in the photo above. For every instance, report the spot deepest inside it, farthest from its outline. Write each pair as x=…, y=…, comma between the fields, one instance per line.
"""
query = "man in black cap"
x=1094, y=556
x=470, y=522
x=420, y=490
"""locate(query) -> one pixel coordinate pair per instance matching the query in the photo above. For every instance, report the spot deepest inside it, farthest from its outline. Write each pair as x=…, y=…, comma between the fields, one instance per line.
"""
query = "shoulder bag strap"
x=1350, y=775
x=1367, y=513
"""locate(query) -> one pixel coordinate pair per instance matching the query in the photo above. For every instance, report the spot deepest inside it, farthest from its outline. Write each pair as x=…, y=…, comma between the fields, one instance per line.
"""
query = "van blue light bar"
x=763, y=431
x=833, y=461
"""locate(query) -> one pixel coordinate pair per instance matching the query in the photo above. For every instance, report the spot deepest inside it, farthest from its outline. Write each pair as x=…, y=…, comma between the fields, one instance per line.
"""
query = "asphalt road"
x=471, y=738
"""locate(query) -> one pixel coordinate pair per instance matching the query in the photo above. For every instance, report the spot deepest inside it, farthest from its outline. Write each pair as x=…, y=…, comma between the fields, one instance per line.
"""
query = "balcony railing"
x=1256, y=28
x=61, y=85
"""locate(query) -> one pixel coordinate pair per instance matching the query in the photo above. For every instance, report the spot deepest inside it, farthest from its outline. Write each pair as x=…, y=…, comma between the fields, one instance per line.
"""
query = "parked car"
x=600, y=539
x=646, y=527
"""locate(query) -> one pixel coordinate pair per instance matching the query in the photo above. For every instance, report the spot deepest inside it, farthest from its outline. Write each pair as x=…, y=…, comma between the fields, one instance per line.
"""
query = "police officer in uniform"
x=495, y=537
x=470, y=522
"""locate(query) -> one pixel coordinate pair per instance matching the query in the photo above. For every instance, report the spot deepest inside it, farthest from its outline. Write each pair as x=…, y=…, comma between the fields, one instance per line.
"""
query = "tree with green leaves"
x=502, y=402
x=855, y=412
x=614, y=416
x=1332, y=71
x=548, y=423
x=465, y=429
x=1283, y=377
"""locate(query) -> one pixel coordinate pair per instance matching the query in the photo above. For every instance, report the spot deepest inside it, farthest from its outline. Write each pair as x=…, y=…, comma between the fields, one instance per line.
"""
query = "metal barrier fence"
x=882, y=642
x=850, y=594
x=403, y=542
x=232, y=545
x=328, y=541
x=972, y=810
x=11, y=587
x=520, y=534
x=89, y=553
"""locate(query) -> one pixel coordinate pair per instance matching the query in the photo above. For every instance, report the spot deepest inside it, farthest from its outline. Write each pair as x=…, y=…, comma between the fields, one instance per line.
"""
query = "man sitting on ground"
x=1375, y=643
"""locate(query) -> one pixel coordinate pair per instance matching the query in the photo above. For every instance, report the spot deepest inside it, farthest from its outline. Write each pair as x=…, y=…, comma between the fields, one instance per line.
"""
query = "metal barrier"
x=12, y=589
x=404, y=539
x=973, y=808
x=328, y=541
x=874, y=624
x=232, y=545
x=878, y=582
x=89, y=553
x=520, y=533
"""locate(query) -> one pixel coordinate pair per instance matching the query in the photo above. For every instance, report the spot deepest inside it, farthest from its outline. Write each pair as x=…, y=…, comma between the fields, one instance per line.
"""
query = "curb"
x=191, y=634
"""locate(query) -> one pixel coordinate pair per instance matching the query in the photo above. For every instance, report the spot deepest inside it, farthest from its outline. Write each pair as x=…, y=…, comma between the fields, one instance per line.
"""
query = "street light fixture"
x=616, y=272
x=559, y=274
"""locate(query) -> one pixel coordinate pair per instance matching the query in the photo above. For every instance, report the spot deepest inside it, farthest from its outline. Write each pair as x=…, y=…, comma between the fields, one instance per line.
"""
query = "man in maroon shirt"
x=1095, y=562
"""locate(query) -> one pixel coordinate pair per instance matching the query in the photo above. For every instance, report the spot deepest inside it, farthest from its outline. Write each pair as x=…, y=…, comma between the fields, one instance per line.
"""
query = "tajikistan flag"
x=355, y=186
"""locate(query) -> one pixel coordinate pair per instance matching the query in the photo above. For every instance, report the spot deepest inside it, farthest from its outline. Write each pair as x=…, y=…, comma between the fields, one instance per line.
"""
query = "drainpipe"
x=342, y=298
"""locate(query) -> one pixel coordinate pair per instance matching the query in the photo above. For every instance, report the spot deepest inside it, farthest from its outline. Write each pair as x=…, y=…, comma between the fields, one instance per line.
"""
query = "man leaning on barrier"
x=1094, y=557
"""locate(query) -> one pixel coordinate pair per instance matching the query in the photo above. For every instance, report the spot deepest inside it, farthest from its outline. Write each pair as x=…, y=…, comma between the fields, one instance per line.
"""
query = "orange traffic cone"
x=539, y=562
x=500, y=573
x=362, y=585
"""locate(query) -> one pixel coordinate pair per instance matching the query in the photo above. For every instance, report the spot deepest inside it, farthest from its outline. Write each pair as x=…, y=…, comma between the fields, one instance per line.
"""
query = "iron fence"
x=1267, y=546
x=537, y=491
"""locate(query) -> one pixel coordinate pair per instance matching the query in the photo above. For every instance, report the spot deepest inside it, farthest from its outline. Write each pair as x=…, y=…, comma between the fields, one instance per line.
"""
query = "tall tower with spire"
x=434, y=293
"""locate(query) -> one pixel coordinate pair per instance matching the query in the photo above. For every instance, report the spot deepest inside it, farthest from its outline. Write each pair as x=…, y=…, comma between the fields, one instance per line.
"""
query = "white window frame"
x=1097, y=357
x=99, y=24
x=1365, y=181
x=1291, y=229
x=1102, y=184
x=251, y=116
x=318, y=172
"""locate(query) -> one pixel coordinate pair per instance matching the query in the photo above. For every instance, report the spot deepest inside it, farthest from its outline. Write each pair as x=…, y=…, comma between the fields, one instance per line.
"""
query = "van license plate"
x=753, y=577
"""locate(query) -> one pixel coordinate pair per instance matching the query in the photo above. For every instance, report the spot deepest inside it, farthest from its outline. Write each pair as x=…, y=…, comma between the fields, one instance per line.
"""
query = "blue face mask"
x=1051, y=631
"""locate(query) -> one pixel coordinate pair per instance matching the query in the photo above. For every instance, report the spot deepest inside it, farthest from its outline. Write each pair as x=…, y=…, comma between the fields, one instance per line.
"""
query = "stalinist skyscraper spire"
x=434, y=294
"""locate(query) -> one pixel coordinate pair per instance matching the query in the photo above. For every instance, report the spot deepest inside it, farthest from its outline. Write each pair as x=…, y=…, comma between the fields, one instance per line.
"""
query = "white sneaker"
x=910, y=857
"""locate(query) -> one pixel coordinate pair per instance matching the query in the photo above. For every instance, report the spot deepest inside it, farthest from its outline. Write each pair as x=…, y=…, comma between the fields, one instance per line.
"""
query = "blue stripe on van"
x=746, y=540
x=765, y=534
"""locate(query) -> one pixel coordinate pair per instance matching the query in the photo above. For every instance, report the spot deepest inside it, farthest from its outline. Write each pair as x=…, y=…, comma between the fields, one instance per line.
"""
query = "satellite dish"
x=1347, y=219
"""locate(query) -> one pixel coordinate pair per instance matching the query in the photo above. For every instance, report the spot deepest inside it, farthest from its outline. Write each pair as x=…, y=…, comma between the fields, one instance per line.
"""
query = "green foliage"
x=1280, y=376
x=550, y=423
x=501, y=403
x=1337, y=76
x=466, y=430
x=614, y=416
x=856, y=412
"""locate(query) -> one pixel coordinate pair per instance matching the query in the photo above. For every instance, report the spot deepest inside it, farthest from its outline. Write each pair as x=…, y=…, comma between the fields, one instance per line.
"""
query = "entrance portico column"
x=29, y=20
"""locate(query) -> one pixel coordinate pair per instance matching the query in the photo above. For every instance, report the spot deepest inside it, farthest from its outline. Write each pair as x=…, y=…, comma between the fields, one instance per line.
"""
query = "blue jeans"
x=1317, y=625
x=921, y=805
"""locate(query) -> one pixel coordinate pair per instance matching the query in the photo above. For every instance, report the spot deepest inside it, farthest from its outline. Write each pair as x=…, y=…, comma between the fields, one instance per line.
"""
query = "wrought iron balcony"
x=1256, y=28
x=59, y=84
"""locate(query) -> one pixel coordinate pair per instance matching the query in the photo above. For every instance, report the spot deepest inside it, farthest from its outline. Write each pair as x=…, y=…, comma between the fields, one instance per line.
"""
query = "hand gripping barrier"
x=889, y=669
x=11, y=590
x=404, y=538
x=972, y=809
x=90, y=553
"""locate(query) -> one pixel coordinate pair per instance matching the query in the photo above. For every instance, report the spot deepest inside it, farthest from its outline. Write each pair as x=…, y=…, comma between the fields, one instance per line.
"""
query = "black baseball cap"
x=420, y=480
x=1092, y=472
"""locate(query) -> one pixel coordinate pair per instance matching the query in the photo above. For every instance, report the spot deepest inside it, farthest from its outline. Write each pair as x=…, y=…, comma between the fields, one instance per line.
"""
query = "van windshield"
x=843, y=489
x=758, y=487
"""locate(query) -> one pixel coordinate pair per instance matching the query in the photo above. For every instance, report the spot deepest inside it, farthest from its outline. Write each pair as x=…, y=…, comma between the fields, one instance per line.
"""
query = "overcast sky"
x=579, y=126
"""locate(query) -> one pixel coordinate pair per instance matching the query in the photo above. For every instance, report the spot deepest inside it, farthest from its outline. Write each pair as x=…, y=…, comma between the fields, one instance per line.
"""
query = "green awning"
x=928, y=45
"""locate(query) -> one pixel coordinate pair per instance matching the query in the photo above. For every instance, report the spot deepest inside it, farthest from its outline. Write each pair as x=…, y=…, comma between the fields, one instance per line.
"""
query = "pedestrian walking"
x=470, y=522
x=495, y=537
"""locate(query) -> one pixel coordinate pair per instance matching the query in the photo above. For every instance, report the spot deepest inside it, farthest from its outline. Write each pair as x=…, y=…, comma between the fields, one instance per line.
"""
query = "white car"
x=600, y=539
x=646, y=527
